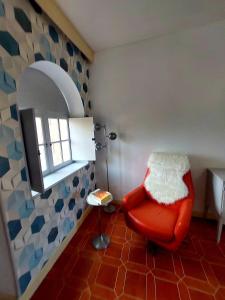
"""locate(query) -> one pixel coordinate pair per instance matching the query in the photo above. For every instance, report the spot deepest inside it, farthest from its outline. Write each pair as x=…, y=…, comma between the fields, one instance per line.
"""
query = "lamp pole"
x=111, y=136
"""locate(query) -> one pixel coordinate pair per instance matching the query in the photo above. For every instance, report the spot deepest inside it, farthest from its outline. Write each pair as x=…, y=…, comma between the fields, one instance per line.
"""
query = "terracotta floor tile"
x=166, y=290
x=165, y=275
x=137, y=237
x=164, y=261
x=193, y=268
x=95, y=298
x=85, y=295
x=69, y=293
x=151, y=292
x=127, y=271
x=196, y=295
x=219, y=272
x=111, y=261
x=178, y=265
x=137, y=255
x=76, y=282
x=82, y=267
x=183, y=291
x=210, y=274
x=107, y=276
x=49, y=289
x=120, y=280
x=125, y=297
x=212, y=251
x=102, y=292
x=204, y=286
x=119, y=231
x=137, y=267
x=189, y=248
x=114, y=250
x=220, y=294
x=135, y=285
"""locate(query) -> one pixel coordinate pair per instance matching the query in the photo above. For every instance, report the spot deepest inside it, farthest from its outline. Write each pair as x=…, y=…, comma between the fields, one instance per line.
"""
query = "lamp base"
x=101, y=242
x=109, y=209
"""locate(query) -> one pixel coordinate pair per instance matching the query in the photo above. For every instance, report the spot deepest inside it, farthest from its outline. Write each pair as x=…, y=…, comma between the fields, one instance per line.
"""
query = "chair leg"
x=152, y=248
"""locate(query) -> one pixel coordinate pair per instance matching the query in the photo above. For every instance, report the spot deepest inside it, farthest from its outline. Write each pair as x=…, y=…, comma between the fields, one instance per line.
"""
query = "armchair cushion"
x=153, y=220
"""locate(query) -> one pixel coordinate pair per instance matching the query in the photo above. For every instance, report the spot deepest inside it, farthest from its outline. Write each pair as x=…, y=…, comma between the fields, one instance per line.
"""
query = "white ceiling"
x=110, y=23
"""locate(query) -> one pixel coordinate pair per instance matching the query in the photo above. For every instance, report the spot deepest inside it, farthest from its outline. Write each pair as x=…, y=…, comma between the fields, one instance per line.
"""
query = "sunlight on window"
x=64, y=129
x=66, y=150
x=39, y=130
x=54, y=130
x=43, y=158
x=56, y=154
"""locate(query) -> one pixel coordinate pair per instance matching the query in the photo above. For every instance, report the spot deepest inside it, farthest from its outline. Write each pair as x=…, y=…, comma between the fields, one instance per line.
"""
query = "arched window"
x=47, y=99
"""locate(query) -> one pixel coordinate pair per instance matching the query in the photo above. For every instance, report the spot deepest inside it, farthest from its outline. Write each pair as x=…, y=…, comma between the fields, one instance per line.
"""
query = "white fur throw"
x=165, y=181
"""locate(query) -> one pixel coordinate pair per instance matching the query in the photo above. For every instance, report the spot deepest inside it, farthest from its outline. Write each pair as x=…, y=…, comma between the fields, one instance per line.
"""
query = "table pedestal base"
x=101, y=242
x=109, y=209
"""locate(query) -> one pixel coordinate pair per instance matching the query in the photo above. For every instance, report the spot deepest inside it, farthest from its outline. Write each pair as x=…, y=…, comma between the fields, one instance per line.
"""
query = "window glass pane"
x=63, y=129
x=66, y=151
x=56, y=154
x=43, y=158
x=54, y=130
x=39, y=130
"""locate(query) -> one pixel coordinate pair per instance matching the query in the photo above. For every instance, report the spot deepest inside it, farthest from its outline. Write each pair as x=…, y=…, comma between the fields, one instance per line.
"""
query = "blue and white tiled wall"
x=35, y=226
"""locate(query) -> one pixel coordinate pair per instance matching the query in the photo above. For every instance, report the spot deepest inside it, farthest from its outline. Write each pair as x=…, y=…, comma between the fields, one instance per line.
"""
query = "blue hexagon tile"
x=37, y=224
x=4, y=165
x=8, y=42
x=14, y=227
x=15, y=150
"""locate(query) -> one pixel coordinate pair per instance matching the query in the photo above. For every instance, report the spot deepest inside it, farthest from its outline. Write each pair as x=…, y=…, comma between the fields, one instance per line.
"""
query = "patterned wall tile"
x=36, y=226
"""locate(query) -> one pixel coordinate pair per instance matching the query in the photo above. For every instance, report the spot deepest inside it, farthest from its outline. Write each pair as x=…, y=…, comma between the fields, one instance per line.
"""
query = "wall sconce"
x=99, y=146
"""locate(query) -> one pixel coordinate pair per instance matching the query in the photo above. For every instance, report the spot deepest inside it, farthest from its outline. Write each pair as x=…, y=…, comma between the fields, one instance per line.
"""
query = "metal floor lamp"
x=99, y=146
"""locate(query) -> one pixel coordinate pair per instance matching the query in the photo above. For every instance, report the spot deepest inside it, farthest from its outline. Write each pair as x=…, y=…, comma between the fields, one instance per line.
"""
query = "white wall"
x=162, y=94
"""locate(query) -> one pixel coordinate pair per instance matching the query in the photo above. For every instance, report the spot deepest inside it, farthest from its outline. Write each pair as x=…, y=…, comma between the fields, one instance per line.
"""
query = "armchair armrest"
x=183, y=220
x=134, y=198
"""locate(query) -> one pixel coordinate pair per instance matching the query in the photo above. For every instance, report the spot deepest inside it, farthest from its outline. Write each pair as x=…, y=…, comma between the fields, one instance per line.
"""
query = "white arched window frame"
x=79, y=140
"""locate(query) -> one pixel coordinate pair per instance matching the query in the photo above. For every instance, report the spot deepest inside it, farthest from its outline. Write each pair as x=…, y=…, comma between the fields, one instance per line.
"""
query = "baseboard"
x=200, y=214
x=7, y=297
x=40, y=277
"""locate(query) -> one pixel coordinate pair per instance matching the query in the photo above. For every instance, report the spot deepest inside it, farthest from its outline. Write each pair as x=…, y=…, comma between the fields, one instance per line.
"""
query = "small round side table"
x=102, y=240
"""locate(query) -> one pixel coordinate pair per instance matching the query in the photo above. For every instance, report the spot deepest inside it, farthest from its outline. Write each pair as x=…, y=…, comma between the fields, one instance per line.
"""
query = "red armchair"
x=165, y=225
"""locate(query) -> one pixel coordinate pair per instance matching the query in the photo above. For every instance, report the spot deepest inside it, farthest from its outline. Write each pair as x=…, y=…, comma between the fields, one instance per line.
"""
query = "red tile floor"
x=126, y=270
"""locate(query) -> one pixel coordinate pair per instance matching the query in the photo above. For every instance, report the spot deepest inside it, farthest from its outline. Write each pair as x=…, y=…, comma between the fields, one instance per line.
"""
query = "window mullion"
x=60, y=141
x=48, y=143
x=69, y=139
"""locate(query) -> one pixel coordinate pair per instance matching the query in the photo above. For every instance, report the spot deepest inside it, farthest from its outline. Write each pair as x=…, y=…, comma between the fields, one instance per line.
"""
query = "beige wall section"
x=162, y=94
x=57, y=16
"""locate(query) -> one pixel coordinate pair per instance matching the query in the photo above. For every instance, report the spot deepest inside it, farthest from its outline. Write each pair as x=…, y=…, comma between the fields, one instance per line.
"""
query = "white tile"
x=5, y=114
x=18, y=244
x=47, y=218
x=16, y=180
x=27, y=235
x=7, y=184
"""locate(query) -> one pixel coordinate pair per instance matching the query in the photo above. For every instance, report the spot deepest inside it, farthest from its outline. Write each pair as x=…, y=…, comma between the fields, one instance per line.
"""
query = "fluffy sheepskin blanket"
x=165, y=181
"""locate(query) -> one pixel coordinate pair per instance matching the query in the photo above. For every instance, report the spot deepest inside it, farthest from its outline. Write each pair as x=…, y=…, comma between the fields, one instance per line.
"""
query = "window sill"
x=57, y=176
